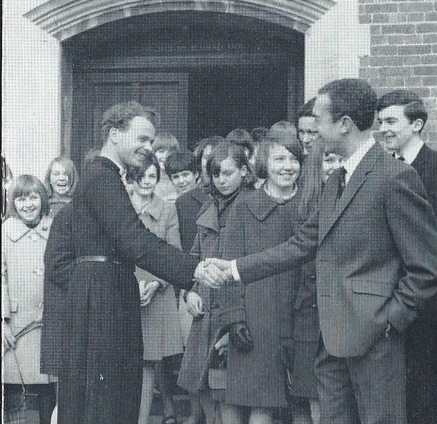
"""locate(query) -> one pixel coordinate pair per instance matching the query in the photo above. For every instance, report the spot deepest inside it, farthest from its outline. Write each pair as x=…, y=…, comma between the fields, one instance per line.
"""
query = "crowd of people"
x=292, y=268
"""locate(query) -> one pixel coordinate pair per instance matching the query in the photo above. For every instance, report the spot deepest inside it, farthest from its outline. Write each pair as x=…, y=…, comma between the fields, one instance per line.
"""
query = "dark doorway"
x=222, y=99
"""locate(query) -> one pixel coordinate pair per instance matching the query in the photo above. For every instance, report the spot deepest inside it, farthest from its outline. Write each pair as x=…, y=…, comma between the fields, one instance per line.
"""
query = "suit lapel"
x=419, y=163
x=331, y=210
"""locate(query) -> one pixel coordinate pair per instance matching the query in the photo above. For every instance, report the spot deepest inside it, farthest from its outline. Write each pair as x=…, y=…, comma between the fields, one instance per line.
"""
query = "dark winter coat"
x=257, y=378
x=101, y=371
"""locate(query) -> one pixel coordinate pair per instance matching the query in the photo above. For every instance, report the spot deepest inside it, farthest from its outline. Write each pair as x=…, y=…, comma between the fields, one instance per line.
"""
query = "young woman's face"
x=331, y=162
x=59, y=179
x=229, y=178
x=29, y=208
x=161, y=155
x=283, y=168
x=146, y=185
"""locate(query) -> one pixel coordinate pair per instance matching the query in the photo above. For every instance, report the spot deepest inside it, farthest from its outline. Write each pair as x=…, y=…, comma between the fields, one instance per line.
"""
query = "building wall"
x=403, y=51
x=31, y=95
x=334, y=45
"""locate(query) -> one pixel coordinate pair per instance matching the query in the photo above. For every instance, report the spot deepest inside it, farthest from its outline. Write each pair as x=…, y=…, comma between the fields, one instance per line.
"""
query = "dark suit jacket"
x=376, y=253
x=188, y=206
x=426, y=166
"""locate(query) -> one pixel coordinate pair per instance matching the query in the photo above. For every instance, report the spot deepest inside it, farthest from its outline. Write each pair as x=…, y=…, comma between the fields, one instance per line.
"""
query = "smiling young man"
x=402, y=116
x=375, y=245
x=101, y=372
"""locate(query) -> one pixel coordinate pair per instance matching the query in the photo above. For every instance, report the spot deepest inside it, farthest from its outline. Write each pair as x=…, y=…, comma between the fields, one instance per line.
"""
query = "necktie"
x=341, y=181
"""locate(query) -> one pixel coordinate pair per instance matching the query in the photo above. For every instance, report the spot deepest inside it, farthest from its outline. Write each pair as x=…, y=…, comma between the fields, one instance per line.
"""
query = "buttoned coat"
x=376, y=250
x=204, y=331
x=101, y=370
x=159, y=319
x=23, y=295
x=257, y=378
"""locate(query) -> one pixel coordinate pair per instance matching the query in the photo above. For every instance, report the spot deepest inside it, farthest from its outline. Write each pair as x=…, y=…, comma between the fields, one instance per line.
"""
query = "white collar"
x=410, y=152
x=351, y=164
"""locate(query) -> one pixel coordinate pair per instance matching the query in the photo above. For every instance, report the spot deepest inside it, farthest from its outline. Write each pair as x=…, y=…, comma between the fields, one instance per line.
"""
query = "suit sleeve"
x=109, y=201
x=414, y=230
x=60, y=257
x=296, y=251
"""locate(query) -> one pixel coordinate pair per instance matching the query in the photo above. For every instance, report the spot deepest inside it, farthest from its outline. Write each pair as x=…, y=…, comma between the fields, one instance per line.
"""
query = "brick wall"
x=403, y=51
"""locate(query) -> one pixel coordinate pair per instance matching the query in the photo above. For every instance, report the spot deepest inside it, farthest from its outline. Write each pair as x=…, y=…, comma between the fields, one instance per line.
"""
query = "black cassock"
x=101, y=371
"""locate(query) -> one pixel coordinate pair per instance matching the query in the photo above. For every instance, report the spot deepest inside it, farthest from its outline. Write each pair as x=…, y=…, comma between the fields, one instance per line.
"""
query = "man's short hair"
x=354, y=98
x=241, y=137
x=307, y=108
x=413, y=104
x=183, y=160
x=120, y=115
x=283, y=129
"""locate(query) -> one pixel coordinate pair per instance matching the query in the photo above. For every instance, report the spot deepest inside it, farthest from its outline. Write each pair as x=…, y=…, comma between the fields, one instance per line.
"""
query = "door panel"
x=96, y=92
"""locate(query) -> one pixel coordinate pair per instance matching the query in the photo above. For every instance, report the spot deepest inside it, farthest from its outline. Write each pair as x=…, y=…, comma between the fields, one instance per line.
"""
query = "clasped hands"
x=213, y=272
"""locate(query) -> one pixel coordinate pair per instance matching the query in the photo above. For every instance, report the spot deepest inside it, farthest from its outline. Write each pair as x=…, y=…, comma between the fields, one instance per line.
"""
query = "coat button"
x=34, y=237
x=314, y=305
x=41, y=305
x=313, y=277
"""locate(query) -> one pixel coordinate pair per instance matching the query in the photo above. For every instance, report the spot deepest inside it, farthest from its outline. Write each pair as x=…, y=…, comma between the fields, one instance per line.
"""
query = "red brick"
x=365, y=19
x=395, y=82
x=376, y=29
x=434, y=48
x=416, y=17
x=430, y=38
x=383, y=50
x=429, y=27
x=386, y=61
x=425, y=70
x=378, y=40
x=431, y=17
x=414, y=49
x=405, y=39
x=430, y=80
x=396, y=71
x=422, y=91
x=399, y=29
x=398, y=18
x=380, y=18
x=381, y=8
x=367, y=72
x=429, y=59
x=414, y=82
x=417, y=6
x=364, y=61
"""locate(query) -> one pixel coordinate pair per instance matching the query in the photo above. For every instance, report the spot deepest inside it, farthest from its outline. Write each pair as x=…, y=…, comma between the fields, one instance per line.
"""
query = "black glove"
x=240, y=337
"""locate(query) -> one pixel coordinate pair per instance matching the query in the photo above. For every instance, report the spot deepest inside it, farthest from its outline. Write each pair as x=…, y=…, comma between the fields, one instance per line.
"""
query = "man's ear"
x=113, y=135
x=346, y=124
x=243, y=170
x=417, y=125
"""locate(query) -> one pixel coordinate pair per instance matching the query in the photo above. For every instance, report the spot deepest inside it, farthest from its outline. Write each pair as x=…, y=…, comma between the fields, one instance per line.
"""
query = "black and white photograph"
x=219, y=212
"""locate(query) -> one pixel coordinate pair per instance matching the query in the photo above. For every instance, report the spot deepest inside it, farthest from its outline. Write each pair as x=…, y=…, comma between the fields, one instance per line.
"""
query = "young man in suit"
x=402, y=116
x=101, y=360
x=375, y=245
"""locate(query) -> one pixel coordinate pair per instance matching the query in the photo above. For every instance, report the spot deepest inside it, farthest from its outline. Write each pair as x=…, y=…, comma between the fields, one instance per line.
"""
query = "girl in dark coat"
x=256, y=378
x=229, y=171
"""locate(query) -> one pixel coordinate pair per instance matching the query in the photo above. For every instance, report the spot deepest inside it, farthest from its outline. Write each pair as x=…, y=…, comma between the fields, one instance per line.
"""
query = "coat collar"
x=198, y=193
x=208, y=216
x=335, y=209
x=15, y=229
x=260, y=204
x=154, y=208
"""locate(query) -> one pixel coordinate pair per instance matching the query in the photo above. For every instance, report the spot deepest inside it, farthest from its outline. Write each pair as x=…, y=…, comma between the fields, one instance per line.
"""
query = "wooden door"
x=96, y=92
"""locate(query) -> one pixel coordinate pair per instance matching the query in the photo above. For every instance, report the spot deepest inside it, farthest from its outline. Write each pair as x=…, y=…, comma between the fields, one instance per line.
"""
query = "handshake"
x=213, y=273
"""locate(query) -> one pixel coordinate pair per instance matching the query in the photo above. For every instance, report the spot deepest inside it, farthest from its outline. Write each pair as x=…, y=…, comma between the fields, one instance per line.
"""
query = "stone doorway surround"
x=66, y=18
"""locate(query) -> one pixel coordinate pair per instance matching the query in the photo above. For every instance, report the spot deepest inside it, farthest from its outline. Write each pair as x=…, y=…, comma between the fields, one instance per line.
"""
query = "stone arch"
x=65, y=18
